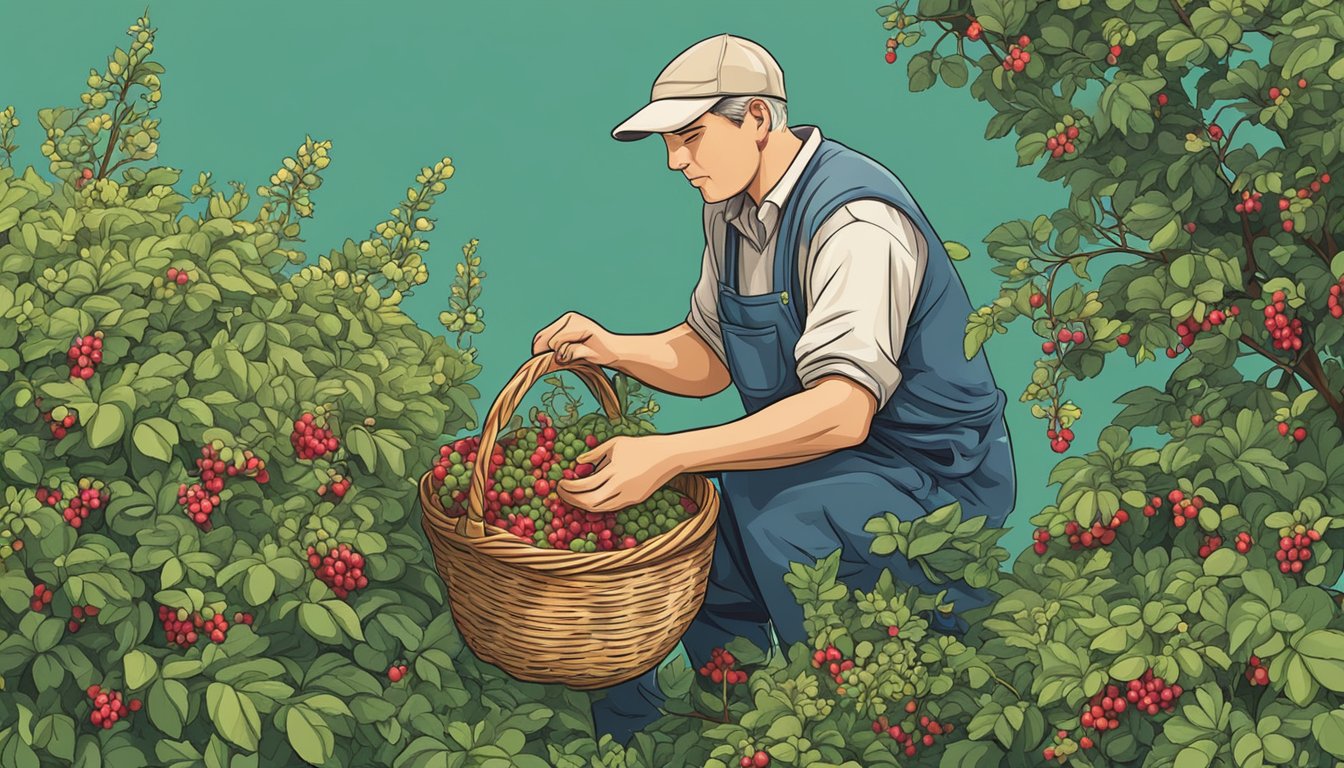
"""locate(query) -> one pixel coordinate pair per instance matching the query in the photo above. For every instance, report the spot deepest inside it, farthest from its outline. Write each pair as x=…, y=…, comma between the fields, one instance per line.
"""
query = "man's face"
x=716, y=156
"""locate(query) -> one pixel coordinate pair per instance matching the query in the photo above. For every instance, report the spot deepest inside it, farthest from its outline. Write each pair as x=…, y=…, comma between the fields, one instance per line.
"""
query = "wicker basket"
x=585, y=620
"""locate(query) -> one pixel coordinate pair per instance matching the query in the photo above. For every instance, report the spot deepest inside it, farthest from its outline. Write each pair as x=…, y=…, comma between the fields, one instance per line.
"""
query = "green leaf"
x=22, y=466
x=346, y=617
x=972, y=754
x=1224, y=562
x=309, y=734
x=1328, y=728
x=234, y=715
x=956, y=251
x=155, y=438
x=259, y=584
x=360, y=443
x=140, y=669
x=107, y=426
x=317, y=621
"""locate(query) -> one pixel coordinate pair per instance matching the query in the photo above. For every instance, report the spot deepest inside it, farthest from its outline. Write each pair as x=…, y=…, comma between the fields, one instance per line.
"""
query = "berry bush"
x=209, y=446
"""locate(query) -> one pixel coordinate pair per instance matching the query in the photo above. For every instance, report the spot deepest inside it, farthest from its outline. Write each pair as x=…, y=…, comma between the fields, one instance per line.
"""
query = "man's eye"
x=692, y=138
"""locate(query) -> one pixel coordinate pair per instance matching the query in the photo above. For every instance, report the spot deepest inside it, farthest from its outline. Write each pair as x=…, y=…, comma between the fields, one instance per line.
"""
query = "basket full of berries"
x=547, y=592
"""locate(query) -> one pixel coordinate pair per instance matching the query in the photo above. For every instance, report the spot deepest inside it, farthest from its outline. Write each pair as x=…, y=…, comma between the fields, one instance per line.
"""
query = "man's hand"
x=627, y=470
x=574, y=337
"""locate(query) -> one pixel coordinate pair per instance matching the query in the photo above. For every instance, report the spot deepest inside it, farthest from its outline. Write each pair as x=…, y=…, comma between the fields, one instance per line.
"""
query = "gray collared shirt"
x=859, y=275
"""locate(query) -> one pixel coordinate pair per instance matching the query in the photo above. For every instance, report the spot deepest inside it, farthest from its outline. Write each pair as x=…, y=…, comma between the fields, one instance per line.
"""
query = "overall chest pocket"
x=756, y=358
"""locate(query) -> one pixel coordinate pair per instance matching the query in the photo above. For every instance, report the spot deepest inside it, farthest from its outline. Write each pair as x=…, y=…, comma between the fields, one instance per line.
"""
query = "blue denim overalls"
x=940, y=438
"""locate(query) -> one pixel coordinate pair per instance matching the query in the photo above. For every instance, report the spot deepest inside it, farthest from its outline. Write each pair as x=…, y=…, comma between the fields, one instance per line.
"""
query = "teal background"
x=523, y=96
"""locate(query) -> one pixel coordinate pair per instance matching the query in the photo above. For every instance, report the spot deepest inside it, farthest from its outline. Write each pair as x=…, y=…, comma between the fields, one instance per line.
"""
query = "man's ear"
x=761, y=113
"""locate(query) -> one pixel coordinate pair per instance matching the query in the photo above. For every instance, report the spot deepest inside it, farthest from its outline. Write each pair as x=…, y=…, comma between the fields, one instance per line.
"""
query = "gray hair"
x=734, y=108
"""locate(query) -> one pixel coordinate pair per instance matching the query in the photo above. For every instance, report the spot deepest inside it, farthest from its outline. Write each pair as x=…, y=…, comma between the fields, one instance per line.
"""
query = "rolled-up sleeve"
x=861, y=291
x=704, y=315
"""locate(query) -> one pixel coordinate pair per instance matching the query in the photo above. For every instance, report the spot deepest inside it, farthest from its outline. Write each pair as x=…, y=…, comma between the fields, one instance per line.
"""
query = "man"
x=828, y=300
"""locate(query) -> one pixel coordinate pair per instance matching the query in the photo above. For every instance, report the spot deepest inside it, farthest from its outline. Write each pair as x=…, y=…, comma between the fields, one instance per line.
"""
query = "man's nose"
x=677, y=159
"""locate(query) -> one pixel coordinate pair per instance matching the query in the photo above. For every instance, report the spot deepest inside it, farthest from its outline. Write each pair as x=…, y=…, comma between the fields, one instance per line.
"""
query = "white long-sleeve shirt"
x=859, y=275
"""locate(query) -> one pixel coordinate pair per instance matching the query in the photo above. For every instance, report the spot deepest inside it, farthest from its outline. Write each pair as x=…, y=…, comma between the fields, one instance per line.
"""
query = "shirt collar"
x=778, y=194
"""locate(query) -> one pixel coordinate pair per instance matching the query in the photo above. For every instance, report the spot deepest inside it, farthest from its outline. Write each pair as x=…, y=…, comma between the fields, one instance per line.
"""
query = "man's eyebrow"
x=688, y=129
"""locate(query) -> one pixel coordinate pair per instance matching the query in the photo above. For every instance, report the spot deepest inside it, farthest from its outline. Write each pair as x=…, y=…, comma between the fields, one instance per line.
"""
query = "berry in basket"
x=520, y=493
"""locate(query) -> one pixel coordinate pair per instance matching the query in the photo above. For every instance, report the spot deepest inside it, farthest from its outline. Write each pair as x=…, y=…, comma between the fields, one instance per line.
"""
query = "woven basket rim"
x=502, y=545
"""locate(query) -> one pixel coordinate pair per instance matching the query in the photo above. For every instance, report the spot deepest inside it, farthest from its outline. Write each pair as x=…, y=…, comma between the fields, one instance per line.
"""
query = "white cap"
x=719, y=66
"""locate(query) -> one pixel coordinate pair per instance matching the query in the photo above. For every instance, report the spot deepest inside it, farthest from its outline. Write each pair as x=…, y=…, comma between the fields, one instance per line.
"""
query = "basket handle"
x=472, y=524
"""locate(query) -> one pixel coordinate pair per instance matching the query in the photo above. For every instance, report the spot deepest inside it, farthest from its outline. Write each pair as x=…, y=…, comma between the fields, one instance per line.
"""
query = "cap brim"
x=663, y=116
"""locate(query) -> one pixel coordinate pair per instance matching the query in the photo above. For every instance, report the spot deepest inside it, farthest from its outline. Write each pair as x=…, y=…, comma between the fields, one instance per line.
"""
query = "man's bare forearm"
x=676, y=361
x=830, y=416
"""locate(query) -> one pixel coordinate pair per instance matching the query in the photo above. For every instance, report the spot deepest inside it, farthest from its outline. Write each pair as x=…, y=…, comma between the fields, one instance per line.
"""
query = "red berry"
x=394, y=674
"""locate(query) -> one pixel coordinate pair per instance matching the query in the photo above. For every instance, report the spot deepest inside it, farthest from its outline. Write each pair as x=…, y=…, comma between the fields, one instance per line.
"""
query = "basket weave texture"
x=586, y=620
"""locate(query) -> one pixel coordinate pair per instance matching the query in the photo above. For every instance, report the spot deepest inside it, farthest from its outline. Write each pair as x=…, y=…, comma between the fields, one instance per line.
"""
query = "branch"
x=1181, y=12
x=1315, y=375
x=116, y=125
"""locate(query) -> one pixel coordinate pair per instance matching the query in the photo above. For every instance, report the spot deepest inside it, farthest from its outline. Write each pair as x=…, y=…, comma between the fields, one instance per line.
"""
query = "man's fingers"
x=597, y=456
x=582, y=484
x=549, y=336
x=573, y=351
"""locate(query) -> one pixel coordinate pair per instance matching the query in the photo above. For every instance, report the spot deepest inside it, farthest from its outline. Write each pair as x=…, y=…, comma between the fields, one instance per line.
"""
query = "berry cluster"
x=1064, y=746
x=199, y=500
x=1249, y=203
x=396, y=672
x=84, y=354
x=1298, y=434
x=1113, y=55
x=1183, y=510
x=179, y=276
x=1059, y=439
x=198, y=503
x=340, y=568
x=1065, y=336
x=185, y=629
x=720, y=669
x=1333, y=302
x=1295, y=548
x=757, y=760
x=59, y=427
x=92, y=495
x=974, y=31
x=1152, y=506
x=1243, y=542
x=835, y=662
x=1290, y=197
x=1018, y=56
x=1152, y=694
x=49, y=496
x=242, y=618
x=1060, y=140
x=1211, y=543
x=42, y=596
x=336, y=486
x=78, y=613
x=1098, y=535
x=1256, y=673
x=912, y=739
x=108, y=707
x=311, y=441
x=1286, y=334
x=1191, y=328
x=520, y=494
x=1278, y=95
x=1103, y=711
x=83, y=178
